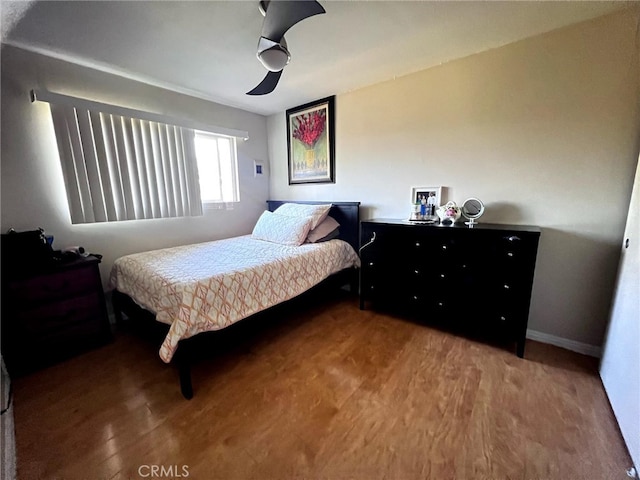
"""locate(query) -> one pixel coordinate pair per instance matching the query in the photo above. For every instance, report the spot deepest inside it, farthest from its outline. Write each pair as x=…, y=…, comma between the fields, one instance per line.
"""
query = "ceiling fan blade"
x=282, y=15
x=267, y=85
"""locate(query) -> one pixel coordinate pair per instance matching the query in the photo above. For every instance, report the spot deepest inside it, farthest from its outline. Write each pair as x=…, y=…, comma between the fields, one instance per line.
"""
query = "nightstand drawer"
x=52, y=314
x=60, y=315
x=47, y=288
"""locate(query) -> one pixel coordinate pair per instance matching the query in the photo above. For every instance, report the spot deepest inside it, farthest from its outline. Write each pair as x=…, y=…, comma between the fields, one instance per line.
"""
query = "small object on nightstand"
x=77, y=250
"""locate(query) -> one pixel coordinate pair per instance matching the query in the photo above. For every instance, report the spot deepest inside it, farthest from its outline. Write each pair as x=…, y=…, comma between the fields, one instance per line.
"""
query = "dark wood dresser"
x=51, y=314
x=474, y=281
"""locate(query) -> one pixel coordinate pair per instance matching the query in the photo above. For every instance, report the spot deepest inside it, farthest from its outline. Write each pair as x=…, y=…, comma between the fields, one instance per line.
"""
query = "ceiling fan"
x=279, y=16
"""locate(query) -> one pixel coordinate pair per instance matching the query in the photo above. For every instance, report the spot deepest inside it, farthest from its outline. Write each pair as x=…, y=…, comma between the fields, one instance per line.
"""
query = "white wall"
x=544, y=131
x=33, y=192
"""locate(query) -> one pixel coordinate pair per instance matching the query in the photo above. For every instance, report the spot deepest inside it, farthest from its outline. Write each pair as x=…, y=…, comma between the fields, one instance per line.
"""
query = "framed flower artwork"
x=311, y=142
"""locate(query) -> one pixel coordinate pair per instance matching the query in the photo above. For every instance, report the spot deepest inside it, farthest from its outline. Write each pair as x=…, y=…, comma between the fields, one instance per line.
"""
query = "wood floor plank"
x=320, y=389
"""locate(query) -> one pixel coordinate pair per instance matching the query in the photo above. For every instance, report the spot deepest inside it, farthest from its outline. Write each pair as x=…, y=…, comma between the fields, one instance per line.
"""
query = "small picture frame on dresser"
x=424, y=202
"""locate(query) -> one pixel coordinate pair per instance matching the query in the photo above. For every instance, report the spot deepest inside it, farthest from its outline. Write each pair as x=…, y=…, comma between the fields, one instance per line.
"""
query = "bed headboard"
x=347, y=214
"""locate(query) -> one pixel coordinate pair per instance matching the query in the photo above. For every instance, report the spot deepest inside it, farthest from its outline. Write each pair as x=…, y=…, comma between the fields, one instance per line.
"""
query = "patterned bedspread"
x=209, y=286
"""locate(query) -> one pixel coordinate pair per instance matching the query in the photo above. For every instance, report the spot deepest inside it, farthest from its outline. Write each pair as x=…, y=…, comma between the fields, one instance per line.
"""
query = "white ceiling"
x=207, y=48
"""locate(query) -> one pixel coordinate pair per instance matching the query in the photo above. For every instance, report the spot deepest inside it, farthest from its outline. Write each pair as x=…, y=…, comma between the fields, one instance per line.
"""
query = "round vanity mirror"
x=472, y=208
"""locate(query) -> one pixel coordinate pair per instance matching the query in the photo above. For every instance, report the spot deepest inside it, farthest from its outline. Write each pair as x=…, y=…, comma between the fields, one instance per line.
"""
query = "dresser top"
x=459, y=225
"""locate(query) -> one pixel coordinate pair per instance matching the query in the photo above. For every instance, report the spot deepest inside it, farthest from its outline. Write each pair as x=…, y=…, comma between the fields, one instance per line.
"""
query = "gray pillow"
x=327, y=228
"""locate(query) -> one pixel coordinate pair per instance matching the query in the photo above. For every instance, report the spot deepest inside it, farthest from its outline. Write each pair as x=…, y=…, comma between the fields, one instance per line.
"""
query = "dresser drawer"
x=373, y=272
x=505, y=290
x=52, y=317
x=47, y=288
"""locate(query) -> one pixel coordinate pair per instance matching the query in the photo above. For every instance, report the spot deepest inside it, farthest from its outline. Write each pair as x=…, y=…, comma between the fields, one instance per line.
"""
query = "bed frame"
x=347, y=214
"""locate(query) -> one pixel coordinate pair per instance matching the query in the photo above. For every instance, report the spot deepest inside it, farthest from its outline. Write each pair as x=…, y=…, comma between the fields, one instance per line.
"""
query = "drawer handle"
x=513, y=238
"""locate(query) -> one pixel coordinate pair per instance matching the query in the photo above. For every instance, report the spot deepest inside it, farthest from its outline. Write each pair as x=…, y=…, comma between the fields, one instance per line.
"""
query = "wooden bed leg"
x=184, y=370
x=354, y=284
x=185, y=380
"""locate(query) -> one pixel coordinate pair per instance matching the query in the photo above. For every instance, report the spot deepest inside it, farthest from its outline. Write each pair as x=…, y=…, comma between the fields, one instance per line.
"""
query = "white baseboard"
x=572, y=345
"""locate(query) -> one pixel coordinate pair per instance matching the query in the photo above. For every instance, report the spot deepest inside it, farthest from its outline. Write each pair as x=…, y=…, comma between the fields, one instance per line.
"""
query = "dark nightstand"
x=52, y=314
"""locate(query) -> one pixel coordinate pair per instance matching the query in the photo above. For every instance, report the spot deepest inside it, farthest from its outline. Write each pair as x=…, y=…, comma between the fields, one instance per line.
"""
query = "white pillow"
x=317, y=212
x=327, y=226
x=282, y=229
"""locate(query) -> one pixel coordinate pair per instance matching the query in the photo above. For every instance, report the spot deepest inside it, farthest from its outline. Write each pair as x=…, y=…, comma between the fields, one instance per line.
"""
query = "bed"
x=201, y=288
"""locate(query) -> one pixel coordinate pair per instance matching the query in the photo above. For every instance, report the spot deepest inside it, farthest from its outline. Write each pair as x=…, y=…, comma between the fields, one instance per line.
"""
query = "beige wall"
x=32, y=186
x=544, y=131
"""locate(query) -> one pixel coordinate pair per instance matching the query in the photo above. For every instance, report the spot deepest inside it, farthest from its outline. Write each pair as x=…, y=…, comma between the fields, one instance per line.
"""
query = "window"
x=217, y=168
x=123, y=164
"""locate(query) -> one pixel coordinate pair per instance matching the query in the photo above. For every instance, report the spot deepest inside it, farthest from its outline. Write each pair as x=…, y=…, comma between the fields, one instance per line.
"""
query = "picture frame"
x=311, y=142
x=425, y=201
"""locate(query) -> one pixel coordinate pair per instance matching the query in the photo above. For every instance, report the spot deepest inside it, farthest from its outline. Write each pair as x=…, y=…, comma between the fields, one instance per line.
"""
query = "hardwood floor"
x=321, y=390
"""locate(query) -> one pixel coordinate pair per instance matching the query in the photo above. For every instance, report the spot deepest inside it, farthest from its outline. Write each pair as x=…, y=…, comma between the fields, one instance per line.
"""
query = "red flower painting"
x=310, y=142
x=310, y=127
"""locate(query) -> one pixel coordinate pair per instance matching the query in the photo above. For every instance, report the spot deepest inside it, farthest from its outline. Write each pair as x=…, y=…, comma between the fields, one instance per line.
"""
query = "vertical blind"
x=124, y=164
x=121, y=168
